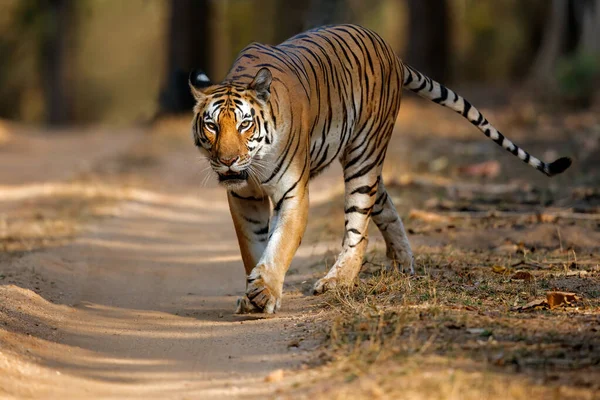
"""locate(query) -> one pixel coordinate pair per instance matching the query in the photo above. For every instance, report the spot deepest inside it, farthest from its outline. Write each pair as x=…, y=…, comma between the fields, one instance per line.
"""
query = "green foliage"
x=576, y=76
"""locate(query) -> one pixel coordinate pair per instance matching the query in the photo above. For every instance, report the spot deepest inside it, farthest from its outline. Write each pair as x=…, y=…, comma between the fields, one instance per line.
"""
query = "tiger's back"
x=341, y=81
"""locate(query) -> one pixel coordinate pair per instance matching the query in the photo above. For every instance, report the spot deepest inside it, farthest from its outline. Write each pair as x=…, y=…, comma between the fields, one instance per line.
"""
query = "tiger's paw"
x=244, y=306
x=324, y=284
x=259, y=297
x=401, y=260
x=406, y=263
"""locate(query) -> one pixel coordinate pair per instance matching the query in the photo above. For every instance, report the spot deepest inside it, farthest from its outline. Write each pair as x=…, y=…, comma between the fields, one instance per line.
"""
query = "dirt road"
x=140, y=302
x=119, y=272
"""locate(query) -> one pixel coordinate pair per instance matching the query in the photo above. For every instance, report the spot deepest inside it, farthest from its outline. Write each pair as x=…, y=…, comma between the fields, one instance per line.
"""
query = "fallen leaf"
x=499, y=269
x=557, y=299
x=522, y=249
x=548, y=218
x=428, y=216
x=522, y=276
x=489, y=169
x=532, y=305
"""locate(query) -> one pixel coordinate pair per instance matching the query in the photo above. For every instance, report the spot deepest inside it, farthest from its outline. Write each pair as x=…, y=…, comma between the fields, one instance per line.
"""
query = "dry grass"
x=452, y=331
x=449, y=333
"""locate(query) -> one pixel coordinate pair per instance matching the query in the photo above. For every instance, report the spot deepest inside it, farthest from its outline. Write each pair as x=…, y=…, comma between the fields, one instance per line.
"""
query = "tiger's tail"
x=434, y=91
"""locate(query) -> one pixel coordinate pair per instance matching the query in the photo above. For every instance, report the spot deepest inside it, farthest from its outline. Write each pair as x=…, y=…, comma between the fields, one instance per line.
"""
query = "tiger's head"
x=232, y=125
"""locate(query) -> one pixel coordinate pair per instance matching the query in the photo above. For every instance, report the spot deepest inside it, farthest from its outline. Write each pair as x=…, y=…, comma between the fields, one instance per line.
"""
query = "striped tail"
x=434, y=91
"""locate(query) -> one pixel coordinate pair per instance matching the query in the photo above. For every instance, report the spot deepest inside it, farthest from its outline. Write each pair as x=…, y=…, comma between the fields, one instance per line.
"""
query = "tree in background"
x=324, y=12
x=292, y=17
x=188, y=42
x=429, y=39
x=36, y=47
x=55, y=61
x=568, y=59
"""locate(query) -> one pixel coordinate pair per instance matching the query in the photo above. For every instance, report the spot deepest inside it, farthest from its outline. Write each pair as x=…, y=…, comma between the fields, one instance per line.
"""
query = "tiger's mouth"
x=231, y=176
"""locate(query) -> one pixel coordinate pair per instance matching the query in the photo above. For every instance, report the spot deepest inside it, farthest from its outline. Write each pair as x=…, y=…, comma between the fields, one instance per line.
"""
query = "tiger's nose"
x=228, y=161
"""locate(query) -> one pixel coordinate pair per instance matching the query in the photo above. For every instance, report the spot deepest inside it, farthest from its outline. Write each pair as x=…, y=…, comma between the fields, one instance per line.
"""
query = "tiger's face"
x=231, y=126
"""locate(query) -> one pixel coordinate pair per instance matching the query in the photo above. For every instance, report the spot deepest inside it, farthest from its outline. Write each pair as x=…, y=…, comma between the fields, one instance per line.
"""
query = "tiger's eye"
x=211, y=126
x=245, y=124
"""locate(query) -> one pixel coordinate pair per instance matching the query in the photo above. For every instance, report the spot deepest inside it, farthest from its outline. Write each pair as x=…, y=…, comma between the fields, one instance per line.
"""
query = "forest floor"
x=119, y=271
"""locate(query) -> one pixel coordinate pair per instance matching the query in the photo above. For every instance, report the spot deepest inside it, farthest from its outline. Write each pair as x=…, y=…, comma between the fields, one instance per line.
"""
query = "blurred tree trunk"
x=574, y=25
x=55, y=61
x=590, y=27
x=292, y=17
x=325, y=12
x=188, y=49
x=554, y=43
x=428, y=37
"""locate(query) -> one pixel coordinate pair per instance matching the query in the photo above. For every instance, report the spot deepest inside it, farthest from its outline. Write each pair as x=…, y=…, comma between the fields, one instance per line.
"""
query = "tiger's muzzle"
x=232, y=176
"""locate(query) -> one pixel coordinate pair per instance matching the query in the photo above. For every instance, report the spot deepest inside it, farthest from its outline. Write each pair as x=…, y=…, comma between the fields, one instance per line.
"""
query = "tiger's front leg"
x=264, y=284
x=250, y=214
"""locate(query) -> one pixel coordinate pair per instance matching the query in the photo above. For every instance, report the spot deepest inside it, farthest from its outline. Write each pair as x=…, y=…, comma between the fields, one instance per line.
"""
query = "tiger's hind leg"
x=362, y=175
x=390, y=225
x=359, y=200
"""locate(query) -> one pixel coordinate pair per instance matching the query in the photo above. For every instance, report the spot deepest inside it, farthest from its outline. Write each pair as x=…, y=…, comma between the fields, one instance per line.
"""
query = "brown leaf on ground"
x=547, y=218
x=488, y=169
x=552, y=300
x=499, y=269
x=557, y=299
x=522, y=276
x=532, y=305
x=428, y=216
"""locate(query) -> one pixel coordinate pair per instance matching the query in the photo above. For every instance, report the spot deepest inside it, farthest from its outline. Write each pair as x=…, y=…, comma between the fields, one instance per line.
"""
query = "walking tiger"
x=282, y=115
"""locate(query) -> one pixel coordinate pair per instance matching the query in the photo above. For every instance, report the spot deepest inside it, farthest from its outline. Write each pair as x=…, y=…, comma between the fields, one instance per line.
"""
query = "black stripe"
x=479, y=120
x=408, y=79
x=262, y=231
x=354, y=209
x=466, y=109
x=443, y=95
x=499, y=139
x=423, y=85
x=250, y=198
x=359, y=242
x=284, y=197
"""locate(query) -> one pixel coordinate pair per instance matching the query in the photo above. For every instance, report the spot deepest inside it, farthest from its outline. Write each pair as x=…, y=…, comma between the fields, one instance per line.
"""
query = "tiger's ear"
x=198, y=80
x=262, y=84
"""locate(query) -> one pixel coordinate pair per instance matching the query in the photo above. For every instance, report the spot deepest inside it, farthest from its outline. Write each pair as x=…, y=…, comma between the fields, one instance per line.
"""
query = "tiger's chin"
x=233, y=180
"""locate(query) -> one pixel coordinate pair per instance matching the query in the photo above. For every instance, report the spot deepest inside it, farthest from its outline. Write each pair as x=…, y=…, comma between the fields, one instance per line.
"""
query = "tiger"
x=282, y=115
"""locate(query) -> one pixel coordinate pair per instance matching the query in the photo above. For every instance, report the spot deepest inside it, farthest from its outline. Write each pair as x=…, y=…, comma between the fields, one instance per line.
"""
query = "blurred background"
x=121, y=62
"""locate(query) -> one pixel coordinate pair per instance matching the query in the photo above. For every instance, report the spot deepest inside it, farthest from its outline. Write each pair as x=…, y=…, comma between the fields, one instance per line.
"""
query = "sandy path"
x=141, y=304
